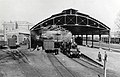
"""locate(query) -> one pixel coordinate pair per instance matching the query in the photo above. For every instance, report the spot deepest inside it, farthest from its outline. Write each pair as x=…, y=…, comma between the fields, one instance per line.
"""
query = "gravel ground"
x=9, y=69
x=40, y=66
x=77, y=68
x=41, y=62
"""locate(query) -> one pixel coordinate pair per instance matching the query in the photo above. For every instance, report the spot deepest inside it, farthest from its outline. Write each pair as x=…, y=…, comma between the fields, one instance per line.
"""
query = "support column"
x=109, y=39
x=92, y=40
x=86, y=39
x=100, y=41
x=82, y=39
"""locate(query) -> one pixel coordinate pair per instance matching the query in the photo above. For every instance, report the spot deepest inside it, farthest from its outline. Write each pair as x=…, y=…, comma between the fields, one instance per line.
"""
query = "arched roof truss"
x=75, y=22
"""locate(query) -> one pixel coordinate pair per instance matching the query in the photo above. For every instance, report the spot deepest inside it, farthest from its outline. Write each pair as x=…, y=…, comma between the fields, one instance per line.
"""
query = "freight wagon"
x=12, y=43
x=49, y=45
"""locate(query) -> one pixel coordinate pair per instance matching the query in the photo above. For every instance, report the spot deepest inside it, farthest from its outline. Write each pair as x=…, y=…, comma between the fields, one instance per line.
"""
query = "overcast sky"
x=35, y=11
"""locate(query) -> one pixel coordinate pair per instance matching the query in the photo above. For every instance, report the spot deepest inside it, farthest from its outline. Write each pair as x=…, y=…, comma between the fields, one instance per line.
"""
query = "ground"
x=40, y=66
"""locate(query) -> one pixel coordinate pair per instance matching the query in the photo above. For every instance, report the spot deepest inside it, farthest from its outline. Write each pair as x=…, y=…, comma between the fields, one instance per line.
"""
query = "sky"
x=35, y=11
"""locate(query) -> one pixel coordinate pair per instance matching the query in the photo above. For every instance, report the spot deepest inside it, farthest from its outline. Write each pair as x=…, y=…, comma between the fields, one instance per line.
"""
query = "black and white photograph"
x=59, y=38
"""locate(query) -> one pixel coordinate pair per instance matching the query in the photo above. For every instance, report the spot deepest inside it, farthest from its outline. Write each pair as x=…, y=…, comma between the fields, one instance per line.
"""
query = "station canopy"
x=77, y=23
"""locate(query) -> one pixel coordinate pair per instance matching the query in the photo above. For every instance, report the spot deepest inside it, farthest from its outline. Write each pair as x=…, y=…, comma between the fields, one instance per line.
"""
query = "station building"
x=17, y=29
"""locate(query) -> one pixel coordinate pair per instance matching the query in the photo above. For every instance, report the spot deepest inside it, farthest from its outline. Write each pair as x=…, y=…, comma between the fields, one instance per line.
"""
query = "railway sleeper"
x=17, y=55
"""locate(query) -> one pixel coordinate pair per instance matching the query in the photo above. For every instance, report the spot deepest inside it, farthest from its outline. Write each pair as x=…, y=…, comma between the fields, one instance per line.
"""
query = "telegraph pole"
x=105, y=60
x=104, y=68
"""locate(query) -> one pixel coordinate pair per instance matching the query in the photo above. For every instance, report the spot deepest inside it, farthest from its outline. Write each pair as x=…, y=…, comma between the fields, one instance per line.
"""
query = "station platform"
x=92, y=53
x=113, y=58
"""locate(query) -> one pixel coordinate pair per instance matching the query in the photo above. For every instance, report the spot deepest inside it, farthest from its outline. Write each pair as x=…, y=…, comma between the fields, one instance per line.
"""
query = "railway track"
x=15, y=54
x=28, y=70
x=59, y=67
x=88, y=65
x=22, y=63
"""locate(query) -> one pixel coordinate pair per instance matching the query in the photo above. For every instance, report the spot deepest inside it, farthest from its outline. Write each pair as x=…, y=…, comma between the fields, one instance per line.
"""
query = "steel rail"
x=9, y=53
x=60, y=67
x=85, y=57
x=88, y=65
x=25, y=67
x=28, y=70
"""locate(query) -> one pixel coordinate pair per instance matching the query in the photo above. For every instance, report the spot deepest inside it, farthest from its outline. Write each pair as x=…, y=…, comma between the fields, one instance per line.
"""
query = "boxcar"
x=49, y=46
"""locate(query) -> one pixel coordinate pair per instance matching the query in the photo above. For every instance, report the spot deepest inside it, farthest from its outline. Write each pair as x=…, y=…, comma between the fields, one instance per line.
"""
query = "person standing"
x=105, y=57
x=28, y=43
x=36, y=42
x=99, y=57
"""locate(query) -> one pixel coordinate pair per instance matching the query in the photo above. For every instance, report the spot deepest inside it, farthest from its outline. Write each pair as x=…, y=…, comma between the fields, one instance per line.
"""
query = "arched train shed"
x=77, y=23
